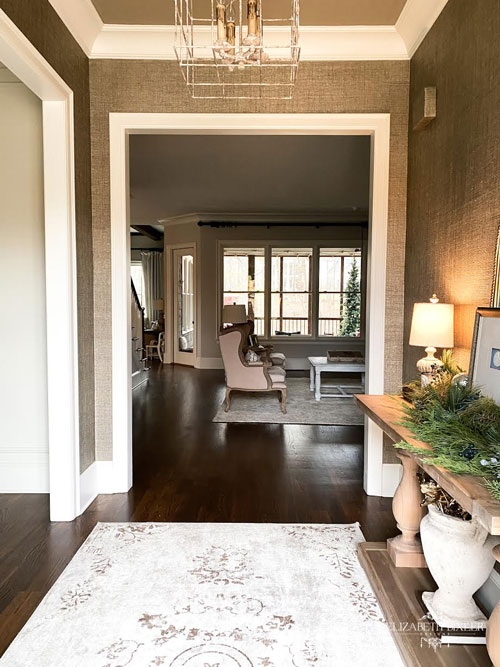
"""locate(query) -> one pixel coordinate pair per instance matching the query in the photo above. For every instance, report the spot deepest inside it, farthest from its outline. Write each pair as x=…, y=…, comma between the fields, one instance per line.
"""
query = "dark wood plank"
x=187, y=468
x=399, y=591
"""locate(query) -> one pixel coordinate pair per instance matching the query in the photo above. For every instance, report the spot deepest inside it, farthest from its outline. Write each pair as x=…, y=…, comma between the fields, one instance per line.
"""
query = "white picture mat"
x=488, y=337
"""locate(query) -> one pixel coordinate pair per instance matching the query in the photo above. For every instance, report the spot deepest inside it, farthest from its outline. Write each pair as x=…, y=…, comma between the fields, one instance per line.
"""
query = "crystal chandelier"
x=236, y=52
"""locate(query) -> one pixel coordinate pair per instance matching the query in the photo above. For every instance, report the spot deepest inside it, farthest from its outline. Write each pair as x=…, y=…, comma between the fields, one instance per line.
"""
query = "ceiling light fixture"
x=237, y=53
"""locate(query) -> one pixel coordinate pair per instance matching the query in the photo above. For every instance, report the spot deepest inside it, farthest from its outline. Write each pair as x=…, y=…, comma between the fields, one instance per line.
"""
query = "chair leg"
x=283, y=401
x=228, y=399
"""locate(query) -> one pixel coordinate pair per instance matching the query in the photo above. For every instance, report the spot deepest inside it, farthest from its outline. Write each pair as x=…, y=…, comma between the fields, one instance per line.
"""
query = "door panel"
x=184, y=306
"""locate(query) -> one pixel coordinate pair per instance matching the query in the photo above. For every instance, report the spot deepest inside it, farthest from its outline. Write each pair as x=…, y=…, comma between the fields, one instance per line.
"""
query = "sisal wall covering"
x=157, y=87
x=44, y=29
x=454, y=169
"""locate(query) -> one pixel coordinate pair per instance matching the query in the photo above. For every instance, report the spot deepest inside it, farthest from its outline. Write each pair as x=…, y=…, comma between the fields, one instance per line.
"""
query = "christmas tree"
x=351, y=311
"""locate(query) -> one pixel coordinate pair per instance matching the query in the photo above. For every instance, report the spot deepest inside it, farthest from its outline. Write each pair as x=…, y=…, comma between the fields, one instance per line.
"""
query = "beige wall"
x=23, y=343
x=156, y=86
x=454, y=169
x=45, y=30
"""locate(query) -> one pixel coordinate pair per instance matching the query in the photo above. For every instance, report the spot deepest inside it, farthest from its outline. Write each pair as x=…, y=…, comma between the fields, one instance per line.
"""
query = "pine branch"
x=461, y=426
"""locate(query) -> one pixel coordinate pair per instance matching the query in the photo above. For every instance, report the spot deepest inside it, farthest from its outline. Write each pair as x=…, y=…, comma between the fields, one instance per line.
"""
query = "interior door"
x=184, y=298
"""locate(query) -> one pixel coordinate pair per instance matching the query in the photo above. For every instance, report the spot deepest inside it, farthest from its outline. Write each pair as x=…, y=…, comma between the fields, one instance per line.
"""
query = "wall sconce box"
x=424, y=108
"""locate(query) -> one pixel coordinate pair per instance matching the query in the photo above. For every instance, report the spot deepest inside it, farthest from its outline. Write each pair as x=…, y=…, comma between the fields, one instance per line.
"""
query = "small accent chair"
x=156, y=347
x=244, y=376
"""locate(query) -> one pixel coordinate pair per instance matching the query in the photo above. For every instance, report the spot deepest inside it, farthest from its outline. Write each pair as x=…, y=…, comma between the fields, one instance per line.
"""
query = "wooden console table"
x=388, y=566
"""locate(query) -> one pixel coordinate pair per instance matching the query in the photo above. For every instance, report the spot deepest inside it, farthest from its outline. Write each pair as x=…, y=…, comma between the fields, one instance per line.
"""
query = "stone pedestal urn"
x=459, y=556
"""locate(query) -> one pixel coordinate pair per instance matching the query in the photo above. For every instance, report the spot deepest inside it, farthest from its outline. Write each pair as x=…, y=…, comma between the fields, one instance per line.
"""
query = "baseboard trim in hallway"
x=95, y=480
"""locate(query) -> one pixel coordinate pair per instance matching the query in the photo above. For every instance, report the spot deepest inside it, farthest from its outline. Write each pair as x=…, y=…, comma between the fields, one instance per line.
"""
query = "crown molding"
x=318, y=43
x=81, y=19
x=415, y=21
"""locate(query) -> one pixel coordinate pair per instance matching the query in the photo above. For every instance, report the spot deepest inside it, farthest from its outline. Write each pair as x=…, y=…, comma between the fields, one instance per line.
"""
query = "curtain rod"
x=363, y=224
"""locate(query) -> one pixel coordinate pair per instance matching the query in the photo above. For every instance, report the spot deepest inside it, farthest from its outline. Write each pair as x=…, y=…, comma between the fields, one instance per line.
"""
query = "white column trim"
x=120, y=319
x=21, y=57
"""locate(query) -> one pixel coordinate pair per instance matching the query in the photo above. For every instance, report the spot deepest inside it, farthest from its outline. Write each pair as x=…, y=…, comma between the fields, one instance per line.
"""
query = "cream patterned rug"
x=209, y=595
x=302, y=408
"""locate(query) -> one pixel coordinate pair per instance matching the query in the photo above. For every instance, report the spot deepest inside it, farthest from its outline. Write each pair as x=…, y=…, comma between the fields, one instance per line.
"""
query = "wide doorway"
x=207, y=330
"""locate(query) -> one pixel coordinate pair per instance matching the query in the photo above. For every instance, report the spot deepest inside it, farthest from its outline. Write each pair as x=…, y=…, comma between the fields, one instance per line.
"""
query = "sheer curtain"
x=152, y=267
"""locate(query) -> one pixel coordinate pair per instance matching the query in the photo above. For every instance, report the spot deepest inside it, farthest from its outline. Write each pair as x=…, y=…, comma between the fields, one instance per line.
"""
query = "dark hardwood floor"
x=188, y=469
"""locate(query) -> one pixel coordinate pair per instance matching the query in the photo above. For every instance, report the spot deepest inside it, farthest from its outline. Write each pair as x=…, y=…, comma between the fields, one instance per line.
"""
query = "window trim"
x=316, y=245
x=341, y=292
x=310, y=294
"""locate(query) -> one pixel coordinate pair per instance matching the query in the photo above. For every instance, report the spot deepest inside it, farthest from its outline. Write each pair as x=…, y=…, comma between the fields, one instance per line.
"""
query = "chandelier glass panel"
x=235, y=51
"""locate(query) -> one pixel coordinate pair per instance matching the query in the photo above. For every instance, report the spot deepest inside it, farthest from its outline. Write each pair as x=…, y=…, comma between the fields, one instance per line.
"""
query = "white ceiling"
x=176, y=175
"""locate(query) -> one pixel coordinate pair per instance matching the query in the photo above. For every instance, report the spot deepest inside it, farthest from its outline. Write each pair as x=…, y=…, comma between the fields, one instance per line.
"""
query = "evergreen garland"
x=461, y=426
x=351, y=312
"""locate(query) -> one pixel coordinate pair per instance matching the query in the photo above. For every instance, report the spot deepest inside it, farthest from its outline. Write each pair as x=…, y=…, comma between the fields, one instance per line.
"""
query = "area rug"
x=301, y=406
x=209, y=595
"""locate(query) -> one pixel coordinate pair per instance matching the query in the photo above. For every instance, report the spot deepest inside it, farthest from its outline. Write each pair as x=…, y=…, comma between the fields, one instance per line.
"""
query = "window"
x=339, y=305
x=291, y=291
x=244, y=280
x=310, y=292
x=137, y=275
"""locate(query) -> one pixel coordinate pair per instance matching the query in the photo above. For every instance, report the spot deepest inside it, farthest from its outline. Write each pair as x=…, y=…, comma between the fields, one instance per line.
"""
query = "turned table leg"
x=405, y=550
x=493, y=630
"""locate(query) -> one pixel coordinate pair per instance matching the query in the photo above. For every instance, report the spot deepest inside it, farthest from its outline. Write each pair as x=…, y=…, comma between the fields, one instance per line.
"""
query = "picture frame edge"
x=480, y=312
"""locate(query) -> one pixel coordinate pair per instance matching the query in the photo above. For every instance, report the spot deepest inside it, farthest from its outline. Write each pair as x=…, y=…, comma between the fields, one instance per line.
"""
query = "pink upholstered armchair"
x=244, y=376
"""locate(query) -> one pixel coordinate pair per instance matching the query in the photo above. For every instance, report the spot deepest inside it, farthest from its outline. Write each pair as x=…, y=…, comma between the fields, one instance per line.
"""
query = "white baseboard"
x=24, y=469
x=297, y=364
x=391, y=476
x=209, y=363
x=96, y=479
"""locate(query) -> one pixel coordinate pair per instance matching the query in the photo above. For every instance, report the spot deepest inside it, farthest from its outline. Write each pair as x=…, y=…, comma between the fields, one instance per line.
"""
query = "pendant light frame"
x=220, y=57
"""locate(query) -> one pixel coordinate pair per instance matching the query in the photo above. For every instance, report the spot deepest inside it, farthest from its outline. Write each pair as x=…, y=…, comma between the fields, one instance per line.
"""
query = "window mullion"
x=314, y=293
x=282, y=328
x=267, y=291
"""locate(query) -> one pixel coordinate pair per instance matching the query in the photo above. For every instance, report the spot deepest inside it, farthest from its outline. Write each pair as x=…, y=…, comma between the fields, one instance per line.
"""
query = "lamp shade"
x=234, y=314
x=432, y=325
x=158, y=304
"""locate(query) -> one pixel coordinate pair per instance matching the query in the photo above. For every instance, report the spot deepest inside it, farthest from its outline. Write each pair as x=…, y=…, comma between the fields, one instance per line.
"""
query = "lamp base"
x=428, y=366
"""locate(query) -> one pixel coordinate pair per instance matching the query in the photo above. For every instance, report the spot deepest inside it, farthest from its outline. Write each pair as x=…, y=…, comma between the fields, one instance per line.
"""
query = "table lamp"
x=158, y=305
x=234, y=314
x=431, y=327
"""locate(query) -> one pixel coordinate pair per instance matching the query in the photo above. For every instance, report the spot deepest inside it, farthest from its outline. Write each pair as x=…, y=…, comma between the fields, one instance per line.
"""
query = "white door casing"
x=179, y=356
x=124, y=124
x=21, y=57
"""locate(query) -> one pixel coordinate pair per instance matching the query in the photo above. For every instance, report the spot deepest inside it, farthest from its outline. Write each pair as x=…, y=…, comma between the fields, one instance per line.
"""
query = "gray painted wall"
x=208, y=241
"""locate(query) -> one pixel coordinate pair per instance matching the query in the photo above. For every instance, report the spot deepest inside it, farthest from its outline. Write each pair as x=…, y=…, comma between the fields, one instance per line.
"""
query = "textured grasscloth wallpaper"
x=42, y=26
x=155, y=86
x=454, y=169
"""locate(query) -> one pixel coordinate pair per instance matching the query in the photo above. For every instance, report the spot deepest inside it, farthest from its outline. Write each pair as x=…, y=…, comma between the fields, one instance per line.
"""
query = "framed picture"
x=495, y=290
x=484, y=370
